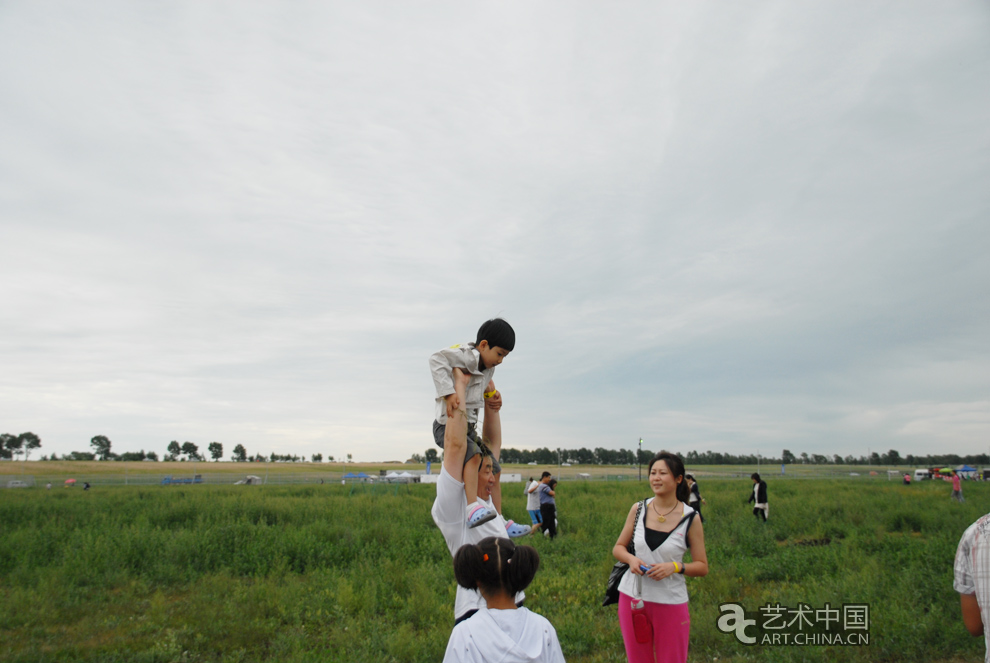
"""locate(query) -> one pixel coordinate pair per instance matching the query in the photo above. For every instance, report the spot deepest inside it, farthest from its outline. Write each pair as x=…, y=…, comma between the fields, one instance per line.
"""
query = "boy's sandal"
x=480, y=515
x=515, y=530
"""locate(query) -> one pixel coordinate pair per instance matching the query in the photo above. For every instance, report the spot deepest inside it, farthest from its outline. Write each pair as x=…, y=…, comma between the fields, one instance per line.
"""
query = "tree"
x=190, y=450
x=8, y=443
x=29, y=441
x=329, y=459
x=174, y=449
x=892, y=457
x=837, y=459
x=431, y=455
x=101, y=446
x=787, y=457
x=819, y=459
x=216, y=450
x=804, y=457
x=349, y=458
x=240, y=454
x=317, y=458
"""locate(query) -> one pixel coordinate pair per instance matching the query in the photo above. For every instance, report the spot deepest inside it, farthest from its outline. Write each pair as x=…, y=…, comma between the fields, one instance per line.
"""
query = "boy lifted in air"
x=462, y=375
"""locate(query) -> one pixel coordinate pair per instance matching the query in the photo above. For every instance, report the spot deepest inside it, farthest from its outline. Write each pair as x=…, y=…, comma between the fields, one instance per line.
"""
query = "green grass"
x=315, y=573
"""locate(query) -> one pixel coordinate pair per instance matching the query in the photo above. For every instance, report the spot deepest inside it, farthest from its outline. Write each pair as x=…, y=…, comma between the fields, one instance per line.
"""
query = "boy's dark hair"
x=755, y=477
x=676, y=467
x=544, y=475
x=498, y=333
x=494, y=565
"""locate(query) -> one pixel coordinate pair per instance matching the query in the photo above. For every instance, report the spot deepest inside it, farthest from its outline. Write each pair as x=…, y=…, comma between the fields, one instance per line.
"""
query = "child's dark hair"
x=755, y=477
x=552, y=483
x=676, y=467
x=496, y=565
x=498, y=333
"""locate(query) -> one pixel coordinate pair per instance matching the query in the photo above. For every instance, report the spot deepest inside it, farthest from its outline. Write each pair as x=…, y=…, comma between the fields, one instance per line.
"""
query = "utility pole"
x=639, y=460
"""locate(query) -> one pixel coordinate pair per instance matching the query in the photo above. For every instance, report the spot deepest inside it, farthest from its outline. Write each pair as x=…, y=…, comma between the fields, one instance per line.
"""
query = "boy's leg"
x=455, y=432
x=471, y=468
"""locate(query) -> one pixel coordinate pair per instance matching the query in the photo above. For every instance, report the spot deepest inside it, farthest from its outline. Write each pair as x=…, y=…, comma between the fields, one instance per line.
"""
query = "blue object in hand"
x=643, y=568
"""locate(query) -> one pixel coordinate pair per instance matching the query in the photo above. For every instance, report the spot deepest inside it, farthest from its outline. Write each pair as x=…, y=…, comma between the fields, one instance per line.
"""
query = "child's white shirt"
x=504, y=636
x=468, y=359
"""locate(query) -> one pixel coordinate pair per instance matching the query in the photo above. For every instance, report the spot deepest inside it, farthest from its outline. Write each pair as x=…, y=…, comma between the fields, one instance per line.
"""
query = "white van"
x=922, y=474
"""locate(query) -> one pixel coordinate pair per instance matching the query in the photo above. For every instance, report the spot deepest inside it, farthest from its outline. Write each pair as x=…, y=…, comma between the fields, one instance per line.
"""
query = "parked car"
x=172, y=481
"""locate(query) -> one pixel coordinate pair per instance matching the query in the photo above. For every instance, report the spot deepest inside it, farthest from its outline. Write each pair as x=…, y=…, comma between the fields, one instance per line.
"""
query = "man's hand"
x=493, y=398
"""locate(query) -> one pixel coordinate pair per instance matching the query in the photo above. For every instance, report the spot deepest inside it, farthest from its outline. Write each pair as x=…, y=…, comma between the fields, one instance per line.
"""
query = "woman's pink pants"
x=671, y=629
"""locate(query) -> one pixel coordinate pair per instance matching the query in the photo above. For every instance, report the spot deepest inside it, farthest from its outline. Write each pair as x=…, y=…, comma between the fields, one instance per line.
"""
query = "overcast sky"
x=735, y=227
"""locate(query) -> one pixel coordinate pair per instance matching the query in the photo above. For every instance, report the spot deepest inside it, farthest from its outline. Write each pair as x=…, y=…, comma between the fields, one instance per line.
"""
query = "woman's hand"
x=661, y=571
x=635, y=564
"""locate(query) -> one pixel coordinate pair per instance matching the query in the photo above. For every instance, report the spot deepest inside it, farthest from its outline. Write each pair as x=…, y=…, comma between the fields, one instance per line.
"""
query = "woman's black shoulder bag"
x=620, y=568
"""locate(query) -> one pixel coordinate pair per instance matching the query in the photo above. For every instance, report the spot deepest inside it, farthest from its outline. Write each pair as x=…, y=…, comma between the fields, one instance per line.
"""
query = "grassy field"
x=330, y=573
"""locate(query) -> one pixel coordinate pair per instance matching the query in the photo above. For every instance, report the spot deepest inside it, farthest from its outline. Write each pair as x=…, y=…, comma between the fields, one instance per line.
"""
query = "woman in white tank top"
x=653, y=599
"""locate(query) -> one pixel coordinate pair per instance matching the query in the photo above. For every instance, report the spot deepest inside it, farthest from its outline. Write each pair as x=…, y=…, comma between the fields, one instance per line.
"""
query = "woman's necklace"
x=660, y=516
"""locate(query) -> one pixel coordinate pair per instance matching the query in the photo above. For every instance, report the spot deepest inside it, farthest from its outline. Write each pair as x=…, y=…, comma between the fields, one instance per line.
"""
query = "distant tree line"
x=601, y=456
x=13, y=446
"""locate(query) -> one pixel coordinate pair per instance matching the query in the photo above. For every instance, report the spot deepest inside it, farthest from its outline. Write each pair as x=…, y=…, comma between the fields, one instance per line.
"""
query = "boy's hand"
x=494, y=402
x=453, y=404
x=493, y=399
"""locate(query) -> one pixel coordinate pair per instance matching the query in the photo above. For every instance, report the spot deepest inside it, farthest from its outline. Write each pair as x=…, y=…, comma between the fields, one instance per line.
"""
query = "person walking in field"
x=501, y=631
x=957, y=487
x=695, y=499
x=533, y=501
x=759, y=496
x=653, y=598
x=461, y=375
x=548, y=505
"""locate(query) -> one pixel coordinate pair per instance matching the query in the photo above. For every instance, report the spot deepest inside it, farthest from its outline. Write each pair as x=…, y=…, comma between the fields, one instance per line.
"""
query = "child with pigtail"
x=500, y=631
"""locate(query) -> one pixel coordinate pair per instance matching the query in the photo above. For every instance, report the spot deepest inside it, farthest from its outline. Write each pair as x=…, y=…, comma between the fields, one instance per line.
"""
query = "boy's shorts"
x=474, y=445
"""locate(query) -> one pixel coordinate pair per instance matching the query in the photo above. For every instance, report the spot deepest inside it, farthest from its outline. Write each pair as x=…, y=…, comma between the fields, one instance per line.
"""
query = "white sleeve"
x=443, y=363
x=450, y=505
x=457, y=646
x=554, y=654
x=963, y=567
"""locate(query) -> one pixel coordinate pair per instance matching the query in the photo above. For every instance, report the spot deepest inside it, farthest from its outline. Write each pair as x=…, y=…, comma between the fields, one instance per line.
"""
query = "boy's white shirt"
x=506, y=636
x=450, y=514
x=468, y=359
